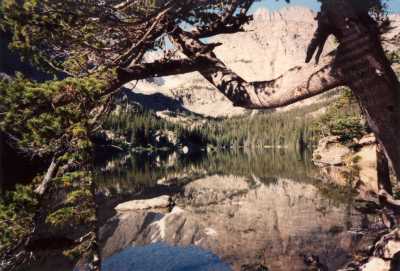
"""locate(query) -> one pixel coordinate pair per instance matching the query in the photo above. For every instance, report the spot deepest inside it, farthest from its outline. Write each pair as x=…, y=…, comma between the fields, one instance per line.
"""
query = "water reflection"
x=263, y=208
x=164, y=257
x=133, y=172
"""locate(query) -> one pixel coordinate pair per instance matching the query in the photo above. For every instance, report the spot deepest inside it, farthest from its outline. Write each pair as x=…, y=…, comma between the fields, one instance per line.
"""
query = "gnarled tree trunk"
x=362, y=63
x=359, y=63
x=383, y=173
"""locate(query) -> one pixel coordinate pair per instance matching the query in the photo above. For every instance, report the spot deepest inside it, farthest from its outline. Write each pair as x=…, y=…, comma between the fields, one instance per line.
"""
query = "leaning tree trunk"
x=359, y=62
x=362, y=63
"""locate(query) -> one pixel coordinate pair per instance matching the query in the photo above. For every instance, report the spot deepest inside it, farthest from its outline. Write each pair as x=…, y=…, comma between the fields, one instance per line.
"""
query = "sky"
x=394, y=5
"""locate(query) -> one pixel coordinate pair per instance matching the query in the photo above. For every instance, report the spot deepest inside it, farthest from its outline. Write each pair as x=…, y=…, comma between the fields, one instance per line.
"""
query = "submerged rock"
x=159, y=202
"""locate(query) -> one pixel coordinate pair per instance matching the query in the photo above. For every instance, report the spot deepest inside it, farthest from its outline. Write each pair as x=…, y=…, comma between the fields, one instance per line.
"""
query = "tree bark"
x=362, y=63
x=382, y=166
x=359, y=63
x=164, y=67
x=297, y=84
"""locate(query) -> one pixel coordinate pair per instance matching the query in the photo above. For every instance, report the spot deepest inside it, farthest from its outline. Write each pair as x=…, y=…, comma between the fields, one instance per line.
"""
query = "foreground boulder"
x=376, y=264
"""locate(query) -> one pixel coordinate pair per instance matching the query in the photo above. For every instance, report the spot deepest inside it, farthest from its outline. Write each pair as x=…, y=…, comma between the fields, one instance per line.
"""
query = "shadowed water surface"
x=164, y=257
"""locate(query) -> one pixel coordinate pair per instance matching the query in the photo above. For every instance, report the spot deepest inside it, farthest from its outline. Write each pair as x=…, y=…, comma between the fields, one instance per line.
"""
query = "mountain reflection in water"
x=262, y=208
x=134, y=172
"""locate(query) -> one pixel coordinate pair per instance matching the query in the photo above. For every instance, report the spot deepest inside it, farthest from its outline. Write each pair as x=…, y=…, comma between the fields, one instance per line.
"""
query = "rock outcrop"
x=330, y=152
x=134, y=205
x=358, y=167
x=385, y=255
x=342, y=165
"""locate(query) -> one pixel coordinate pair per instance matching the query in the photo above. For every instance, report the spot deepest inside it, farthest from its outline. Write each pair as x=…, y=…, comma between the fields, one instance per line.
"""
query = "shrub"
x=17, y=209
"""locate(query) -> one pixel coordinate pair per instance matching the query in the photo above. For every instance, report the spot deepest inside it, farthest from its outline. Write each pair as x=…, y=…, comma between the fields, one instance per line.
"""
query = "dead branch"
x=51, y=172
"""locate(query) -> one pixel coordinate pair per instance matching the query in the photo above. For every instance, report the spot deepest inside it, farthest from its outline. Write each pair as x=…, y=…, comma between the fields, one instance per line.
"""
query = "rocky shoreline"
x=355, y=165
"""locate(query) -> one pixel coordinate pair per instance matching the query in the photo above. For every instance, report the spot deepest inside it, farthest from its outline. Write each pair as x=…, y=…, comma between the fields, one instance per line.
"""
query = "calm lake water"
x=260, y=210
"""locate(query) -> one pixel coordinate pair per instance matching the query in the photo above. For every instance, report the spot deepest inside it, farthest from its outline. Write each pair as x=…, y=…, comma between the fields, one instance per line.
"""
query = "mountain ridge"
x=271, y=44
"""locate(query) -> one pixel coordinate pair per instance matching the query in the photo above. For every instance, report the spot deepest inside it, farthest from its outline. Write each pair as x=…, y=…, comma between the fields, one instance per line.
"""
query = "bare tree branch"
x=297, y=84
x=51, y=172
x=155, y=27
x=228, y=22
x=162, y=67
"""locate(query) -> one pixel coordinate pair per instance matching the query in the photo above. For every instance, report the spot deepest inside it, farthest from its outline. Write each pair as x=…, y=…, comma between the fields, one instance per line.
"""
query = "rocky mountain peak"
x=290, y=13
x=273, y=43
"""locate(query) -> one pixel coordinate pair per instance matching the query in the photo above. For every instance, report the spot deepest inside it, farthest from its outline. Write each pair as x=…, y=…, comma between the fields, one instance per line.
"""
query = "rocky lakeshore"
x=355, y=165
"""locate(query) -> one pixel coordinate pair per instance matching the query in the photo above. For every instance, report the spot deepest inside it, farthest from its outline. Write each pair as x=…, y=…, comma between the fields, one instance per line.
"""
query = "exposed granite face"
x=245, y=222
x=273, y=43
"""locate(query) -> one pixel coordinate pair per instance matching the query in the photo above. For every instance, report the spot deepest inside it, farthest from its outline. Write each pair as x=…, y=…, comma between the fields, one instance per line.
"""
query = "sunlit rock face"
x=338, y=161
x=273, y=43
x=245, y=222
x=330, y=152
x=270, y=45
x=393, y=33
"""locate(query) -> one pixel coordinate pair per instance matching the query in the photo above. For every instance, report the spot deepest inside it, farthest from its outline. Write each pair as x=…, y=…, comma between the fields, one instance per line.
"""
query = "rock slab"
x=330, y=152
x=154, y=203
